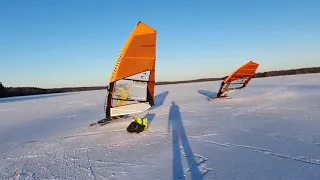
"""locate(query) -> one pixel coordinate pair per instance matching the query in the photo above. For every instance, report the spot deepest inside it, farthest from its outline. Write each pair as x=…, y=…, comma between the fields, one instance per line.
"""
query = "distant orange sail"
x=239, y=78
x=132, y=82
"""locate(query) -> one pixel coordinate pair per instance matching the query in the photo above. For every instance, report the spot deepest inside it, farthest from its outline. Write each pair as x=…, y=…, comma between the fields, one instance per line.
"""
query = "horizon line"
x=174, y=81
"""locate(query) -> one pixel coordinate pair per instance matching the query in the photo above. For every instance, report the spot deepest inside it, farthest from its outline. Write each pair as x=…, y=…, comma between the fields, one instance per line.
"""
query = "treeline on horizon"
x=256, y=75
x=25, y=91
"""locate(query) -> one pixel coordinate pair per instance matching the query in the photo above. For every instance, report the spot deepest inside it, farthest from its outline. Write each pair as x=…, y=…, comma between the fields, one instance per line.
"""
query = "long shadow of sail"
x=208, y=94
x=159, y=99
x=150, y=117
x=179, y=135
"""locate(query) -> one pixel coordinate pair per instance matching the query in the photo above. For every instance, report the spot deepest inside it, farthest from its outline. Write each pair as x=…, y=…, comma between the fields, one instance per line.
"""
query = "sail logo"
x=116, y=65
x=138, y=98
x=144, y=75
x=139, y=85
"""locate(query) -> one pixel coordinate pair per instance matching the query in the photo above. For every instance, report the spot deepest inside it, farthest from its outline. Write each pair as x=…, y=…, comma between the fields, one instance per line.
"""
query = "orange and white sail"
x=239, y=78
x=132, y=82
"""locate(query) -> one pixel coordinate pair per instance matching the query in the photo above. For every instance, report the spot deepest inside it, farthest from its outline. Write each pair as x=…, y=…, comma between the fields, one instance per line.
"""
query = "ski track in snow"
x=265, y=151
x=270, y=130
x=5, y=110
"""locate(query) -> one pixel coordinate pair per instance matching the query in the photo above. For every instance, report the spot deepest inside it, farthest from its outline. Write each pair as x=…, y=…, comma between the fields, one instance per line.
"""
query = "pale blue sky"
x=53, y=43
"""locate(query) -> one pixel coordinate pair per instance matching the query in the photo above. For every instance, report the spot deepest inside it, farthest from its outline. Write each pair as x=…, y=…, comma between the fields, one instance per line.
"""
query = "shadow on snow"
x=208, y=94
x=150, y=117
x=179, y=135
x=159, y=100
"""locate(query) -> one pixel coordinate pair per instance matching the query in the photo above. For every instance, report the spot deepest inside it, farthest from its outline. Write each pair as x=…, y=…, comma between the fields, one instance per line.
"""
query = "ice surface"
x=269, y=130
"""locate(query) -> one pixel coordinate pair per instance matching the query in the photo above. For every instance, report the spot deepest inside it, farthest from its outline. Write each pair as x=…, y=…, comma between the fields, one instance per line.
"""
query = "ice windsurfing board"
x=219, y=98
x=132, y=83
x=105, y=121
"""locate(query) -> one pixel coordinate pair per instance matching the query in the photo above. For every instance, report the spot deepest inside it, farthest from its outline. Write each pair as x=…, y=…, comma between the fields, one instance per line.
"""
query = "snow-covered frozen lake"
x=269, y=130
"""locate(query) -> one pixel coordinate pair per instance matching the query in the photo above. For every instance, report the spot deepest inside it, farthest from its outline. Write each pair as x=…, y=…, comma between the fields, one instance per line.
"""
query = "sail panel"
x=129, y=109
x=142, y=46
x=143, y=76
x=131, y=66
x=130, y=90
x=138, y=54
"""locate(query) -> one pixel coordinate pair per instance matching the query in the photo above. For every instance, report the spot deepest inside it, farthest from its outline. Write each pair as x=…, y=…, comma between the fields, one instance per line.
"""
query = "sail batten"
x=140, y=58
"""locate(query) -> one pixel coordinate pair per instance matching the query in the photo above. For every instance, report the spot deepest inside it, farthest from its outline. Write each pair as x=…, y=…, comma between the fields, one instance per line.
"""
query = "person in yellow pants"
x=138, y=125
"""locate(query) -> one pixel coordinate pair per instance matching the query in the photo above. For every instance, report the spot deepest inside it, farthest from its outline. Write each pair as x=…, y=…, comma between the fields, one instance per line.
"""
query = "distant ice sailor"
x=239, y=79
